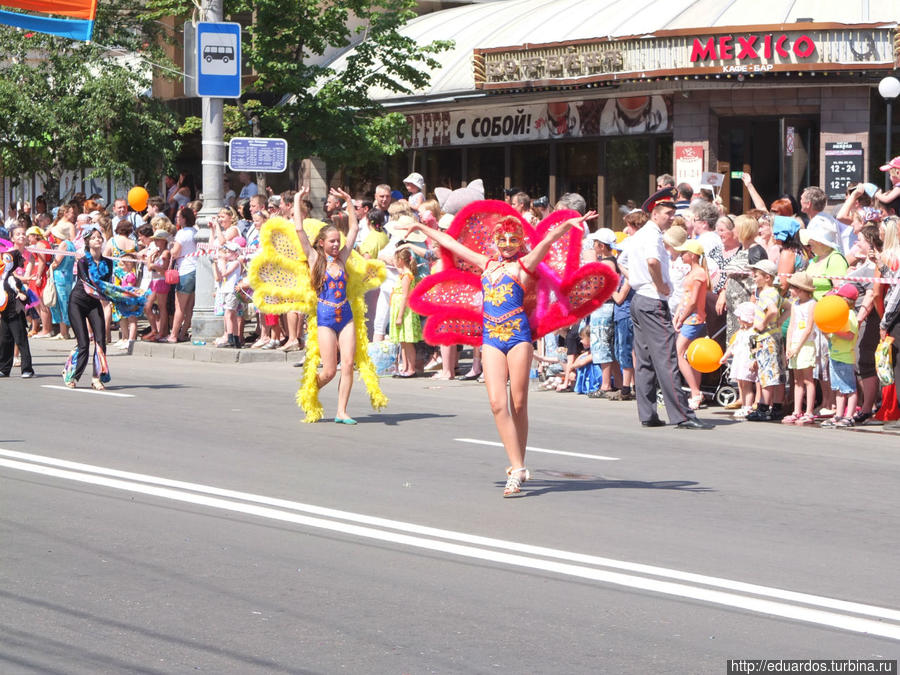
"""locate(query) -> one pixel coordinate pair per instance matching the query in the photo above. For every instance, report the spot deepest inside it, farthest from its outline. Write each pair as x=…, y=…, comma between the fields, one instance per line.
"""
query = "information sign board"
x=264, y=155
x=843, y=167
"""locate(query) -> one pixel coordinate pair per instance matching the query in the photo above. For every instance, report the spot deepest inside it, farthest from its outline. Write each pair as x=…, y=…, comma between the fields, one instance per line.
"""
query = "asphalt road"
x=188, y=521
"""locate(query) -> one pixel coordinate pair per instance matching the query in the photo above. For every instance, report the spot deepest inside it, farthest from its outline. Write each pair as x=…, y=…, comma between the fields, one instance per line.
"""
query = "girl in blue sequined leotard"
x=333, y=310
x=507, y=350
x=505, y=321
x=336, y=332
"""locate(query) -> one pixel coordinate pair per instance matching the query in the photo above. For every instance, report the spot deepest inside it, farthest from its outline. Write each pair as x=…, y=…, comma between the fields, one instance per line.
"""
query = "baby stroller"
x=716, y=386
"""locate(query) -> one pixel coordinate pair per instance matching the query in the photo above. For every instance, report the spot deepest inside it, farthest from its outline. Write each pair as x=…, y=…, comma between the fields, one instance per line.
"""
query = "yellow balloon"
x=137, y=198
x=831, y=313
x=704, y=354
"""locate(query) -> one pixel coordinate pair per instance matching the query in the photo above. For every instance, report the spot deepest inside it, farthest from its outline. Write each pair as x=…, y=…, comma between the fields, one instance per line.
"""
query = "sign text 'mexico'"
x=727, y=47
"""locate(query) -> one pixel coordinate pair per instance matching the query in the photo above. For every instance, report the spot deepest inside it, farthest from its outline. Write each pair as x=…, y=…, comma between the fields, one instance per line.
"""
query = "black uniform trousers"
x=14, y=331
x=655, y=363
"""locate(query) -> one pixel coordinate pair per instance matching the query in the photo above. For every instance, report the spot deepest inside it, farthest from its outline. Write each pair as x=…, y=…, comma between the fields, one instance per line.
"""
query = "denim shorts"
x=692, y=331
x=186, y=283
x=624, y=342
x=603, y=333
x=843, y=377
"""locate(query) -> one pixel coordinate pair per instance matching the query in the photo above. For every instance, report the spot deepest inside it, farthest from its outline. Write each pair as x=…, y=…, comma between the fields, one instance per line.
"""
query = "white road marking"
x=530, y=448
x=193, y=493
x=84, y=390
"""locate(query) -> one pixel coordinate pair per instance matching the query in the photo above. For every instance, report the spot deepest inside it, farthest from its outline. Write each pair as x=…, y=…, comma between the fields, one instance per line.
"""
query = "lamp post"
x=889, y=88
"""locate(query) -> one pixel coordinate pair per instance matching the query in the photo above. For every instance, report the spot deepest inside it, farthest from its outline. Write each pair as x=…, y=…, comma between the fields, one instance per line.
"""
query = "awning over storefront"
x=483, y=30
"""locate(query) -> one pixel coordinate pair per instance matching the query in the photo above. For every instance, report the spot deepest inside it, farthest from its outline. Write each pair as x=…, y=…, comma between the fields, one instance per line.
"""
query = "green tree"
x=322, y=111
x=68, y=105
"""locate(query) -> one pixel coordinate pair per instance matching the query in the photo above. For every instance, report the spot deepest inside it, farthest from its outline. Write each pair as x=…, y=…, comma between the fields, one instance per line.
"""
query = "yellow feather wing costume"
x=281, y=282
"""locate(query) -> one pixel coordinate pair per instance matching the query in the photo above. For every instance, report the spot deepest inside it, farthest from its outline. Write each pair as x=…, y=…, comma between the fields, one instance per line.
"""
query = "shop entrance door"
x=780, y=153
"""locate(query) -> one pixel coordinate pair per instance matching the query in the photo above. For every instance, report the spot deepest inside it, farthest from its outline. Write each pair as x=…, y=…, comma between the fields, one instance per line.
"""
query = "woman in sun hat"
x=827, y=261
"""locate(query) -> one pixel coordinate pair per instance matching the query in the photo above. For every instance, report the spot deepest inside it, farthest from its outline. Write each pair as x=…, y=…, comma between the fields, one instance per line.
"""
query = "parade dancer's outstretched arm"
x=447, y=242
x=533, y=258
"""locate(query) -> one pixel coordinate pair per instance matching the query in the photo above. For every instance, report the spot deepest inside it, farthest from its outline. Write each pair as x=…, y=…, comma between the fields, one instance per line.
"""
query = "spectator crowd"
x=750, y=281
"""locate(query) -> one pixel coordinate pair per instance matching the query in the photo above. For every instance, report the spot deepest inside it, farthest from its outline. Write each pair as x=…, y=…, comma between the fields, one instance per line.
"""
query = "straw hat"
x=400, y=228
x=802, y=280
x=63, y=230
x=675, y=236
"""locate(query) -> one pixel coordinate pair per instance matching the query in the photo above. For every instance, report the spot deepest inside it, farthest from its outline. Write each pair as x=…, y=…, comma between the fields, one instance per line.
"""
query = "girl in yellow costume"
x=308, y=267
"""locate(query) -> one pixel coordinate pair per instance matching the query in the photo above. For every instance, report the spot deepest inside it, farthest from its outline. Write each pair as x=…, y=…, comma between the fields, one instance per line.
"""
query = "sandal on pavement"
x=844, y=423
x=97, y=384
x=514, y=482
x=805, y=420
x=345, y=420
x=791, y=419
x=524, y=478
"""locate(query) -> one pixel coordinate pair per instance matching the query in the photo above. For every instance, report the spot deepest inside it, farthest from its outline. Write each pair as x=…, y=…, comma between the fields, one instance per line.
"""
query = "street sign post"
x=217, y=55
x=263, y=155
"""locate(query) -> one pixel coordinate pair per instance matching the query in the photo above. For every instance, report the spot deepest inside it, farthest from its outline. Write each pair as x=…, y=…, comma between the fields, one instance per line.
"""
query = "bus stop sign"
x=218, y=59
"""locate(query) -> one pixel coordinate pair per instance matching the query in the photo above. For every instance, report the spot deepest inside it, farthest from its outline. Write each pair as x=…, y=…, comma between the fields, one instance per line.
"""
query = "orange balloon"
x=137, y=198
x=703, y=354
x=831, y=314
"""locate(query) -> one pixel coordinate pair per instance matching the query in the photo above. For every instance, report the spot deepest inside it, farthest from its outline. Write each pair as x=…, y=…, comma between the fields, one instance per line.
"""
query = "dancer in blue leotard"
x=507, y=349
x=336, y=333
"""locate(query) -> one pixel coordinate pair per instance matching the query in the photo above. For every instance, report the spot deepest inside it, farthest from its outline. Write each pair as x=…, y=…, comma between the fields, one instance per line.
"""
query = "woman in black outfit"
x=85, y=307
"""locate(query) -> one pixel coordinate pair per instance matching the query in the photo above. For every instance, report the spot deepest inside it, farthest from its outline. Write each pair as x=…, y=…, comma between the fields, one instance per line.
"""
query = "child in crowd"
x=690, y=318
x=602, y=324
x=842, y=362
x=551, y=358
x=405, y=327
x=893, y=167
x=227, y=272
x=741, y=355
x=587, y=373
x=157, y=262
x=415, y=185
x=128, y=323
x=624, y=342
x=766, y=342
x=801, y=349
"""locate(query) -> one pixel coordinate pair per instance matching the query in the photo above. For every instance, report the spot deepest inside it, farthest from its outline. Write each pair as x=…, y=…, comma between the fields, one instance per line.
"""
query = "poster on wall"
x=541, y=121
x=38, y=185
x=98, y=184
x=689, y=165
x=121, y=188
x=843, y=167
x=69, y=184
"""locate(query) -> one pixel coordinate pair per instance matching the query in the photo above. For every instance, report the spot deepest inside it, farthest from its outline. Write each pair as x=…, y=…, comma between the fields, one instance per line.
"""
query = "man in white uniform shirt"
x=654, y=336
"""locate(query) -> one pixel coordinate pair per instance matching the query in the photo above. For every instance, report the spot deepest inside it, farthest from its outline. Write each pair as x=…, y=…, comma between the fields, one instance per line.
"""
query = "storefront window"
x=530, y=169
x=627, y=174
x=487, y=163
x=443, y=168
x=577, y=169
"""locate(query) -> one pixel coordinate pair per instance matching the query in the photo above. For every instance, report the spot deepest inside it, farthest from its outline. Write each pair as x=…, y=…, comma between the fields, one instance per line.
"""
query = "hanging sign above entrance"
x=675, y=53
x=541, y=121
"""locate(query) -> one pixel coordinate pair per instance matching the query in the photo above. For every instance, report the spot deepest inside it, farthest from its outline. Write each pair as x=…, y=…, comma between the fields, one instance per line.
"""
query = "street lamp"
x=889, y=88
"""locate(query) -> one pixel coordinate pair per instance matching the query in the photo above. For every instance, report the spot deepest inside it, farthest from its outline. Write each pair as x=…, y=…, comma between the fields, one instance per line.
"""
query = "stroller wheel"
x=726, y=394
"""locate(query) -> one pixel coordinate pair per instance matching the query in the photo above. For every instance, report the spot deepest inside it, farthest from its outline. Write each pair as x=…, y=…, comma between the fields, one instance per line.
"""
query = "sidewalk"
x=211, y=354
x=183, y=350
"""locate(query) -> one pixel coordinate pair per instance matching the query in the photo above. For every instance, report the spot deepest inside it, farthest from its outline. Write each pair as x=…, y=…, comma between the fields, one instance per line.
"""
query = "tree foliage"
x=68, y=105
x=323, y=111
